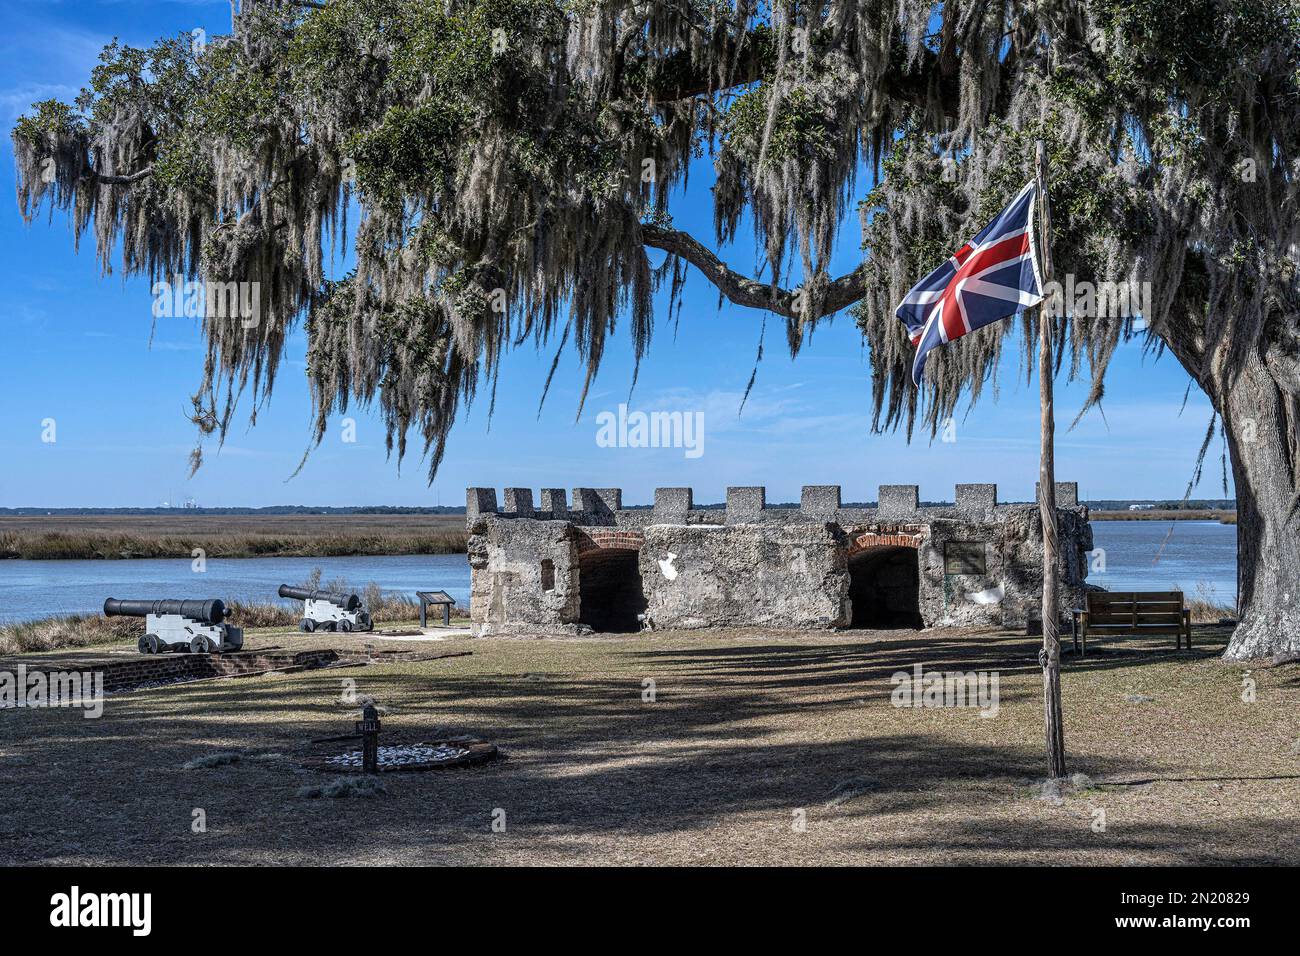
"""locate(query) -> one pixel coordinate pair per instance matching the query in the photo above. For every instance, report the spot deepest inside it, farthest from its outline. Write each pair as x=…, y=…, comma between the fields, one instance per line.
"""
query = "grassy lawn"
x=747, y=729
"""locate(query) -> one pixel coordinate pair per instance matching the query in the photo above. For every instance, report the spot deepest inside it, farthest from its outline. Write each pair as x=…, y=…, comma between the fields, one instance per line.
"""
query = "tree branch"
x=838, y=294
x=123, y=180
x=678, y=77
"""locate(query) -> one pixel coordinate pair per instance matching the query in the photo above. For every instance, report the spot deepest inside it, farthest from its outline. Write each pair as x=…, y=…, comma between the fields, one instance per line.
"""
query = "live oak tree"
x=509, y=165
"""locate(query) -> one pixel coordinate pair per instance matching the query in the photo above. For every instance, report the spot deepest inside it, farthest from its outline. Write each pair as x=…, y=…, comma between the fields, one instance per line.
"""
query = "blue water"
x=36, y=589
x=1139, y=555
x=1198, y=558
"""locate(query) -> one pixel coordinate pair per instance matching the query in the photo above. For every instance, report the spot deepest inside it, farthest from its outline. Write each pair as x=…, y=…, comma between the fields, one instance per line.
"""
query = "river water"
x=1198, y=558
x=36, y=589
x=1139, y=555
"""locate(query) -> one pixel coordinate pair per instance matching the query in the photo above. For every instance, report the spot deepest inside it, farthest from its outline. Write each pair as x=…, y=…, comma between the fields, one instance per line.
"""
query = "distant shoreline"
x=1223, y=516
x=178, y=534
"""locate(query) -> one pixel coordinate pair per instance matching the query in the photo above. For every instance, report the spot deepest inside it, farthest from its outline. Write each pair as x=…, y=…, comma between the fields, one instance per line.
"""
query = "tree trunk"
x=1259, y=410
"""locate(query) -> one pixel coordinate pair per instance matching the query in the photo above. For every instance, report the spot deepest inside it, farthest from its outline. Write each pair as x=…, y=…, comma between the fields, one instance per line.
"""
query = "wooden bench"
x=1133, y=612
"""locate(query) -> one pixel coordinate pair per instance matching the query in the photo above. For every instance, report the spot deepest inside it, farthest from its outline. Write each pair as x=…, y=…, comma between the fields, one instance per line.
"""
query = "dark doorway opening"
x=885, y=588
x=609, y=590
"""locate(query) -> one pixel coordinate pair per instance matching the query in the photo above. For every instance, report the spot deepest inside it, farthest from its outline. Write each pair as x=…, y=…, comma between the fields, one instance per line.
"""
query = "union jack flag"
x=992, y=277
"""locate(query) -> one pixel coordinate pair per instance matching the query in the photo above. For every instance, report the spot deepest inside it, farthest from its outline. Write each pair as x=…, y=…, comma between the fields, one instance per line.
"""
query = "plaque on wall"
x=963, y=557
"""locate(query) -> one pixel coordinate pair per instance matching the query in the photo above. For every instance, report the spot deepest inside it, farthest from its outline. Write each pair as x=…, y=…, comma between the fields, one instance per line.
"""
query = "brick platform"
x=173, y=667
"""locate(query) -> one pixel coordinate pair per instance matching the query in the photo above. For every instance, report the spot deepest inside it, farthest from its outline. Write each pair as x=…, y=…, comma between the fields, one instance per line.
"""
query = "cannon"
x=196, y=626
x=329, y=610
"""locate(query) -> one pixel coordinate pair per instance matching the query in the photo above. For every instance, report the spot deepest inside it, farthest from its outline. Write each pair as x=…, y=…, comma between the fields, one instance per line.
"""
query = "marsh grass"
x=63, y=546
x=74, y=630
x=1167, y=514
x=1207, y=607
x=115, y=536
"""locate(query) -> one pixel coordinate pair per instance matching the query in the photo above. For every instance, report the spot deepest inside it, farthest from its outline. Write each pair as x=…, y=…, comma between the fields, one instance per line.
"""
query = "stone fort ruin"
x=593, y=564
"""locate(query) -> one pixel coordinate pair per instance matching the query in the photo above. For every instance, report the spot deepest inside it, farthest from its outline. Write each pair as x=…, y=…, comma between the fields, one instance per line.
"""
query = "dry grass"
x=227, y=536
x=748, y=732
x=74, y=630
x=1207, y=607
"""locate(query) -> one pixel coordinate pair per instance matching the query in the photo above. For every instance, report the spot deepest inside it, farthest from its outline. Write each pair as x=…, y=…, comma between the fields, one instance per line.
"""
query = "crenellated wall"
x=745, y=505
x=565, y=564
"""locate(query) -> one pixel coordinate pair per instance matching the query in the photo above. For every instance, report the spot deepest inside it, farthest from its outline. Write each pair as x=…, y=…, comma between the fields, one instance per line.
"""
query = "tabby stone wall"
x=568, y=566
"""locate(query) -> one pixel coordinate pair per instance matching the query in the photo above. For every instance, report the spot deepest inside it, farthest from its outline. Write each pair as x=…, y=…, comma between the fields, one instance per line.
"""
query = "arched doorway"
x=885, y=588
x=610, y=592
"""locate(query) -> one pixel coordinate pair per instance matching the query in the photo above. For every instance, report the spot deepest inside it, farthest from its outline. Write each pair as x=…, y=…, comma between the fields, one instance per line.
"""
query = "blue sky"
x=77, y=351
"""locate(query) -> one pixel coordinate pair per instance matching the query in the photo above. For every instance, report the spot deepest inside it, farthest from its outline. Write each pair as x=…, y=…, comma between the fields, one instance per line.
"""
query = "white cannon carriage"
x=329, y=610
x=198, y=627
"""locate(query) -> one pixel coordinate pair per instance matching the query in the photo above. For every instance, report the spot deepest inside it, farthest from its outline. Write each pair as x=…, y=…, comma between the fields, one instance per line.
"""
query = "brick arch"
x=898, y=536
x=883, y=564
x=611, y=593
x=622, y=539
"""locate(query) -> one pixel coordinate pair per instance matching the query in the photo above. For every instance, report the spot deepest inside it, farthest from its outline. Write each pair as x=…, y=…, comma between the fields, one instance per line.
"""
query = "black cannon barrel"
x=349, y=602
x=205, y=612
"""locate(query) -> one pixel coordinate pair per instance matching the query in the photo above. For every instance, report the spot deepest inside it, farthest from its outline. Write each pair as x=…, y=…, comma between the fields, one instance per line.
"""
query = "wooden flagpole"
x=1050, y=655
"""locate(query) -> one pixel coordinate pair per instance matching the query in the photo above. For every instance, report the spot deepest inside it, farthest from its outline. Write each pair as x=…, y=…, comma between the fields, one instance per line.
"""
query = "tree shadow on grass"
x=737, y=737
x=787, y=665
x=121, y=795
x=1240, y=842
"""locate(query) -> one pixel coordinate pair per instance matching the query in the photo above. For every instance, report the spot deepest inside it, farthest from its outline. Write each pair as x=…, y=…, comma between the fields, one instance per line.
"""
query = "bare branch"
x=839, y=293
x=123, y=180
